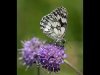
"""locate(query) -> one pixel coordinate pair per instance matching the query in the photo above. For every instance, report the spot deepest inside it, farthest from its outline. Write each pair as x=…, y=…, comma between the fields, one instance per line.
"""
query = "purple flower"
x=51, y=56
x=29, y=51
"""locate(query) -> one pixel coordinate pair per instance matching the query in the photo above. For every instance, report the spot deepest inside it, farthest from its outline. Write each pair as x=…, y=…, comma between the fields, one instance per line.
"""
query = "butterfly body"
x=54, y=24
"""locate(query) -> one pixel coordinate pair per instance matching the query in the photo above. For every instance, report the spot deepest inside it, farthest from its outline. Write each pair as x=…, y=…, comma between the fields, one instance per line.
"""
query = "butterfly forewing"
x=54, y=24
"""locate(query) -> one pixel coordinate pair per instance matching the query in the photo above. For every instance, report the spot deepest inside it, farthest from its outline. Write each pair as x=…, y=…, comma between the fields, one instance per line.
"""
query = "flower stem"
x=38, y=70
x=74, y=68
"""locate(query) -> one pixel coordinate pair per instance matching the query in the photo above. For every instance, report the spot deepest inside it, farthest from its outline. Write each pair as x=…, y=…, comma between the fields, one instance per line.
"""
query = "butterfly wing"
x=54, y=24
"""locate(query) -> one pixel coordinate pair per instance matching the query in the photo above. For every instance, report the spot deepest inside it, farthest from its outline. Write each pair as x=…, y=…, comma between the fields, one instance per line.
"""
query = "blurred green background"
x=29, y=14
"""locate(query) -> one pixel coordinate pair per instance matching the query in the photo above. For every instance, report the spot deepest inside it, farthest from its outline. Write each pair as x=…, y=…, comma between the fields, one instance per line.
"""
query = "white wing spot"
x=45, y=29
x=54, y=24
x=55, y=30
x=58, y=17
x=63, y=20
x=48, y=27
x=49, y=24
x=62, y=30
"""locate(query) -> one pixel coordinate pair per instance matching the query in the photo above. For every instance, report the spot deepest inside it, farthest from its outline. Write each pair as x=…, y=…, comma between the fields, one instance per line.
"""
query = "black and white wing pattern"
x=54, y=24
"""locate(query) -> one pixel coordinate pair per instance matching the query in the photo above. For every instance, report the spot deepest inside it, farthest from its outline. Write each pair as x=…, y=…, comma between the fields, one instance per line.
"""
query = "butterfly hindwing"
x=54, y=24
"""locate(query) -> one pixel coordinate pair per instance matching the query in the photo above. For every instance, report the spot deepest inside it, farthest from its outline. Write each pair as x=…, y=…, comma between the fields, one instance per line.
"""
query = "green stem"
x=74, y=68
x=38, y=70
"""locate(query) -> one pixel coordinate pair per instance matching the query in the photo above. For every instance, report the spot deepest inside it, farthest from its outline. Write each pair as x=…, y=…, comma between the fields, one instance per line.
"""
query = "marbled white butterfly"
x=54, y=24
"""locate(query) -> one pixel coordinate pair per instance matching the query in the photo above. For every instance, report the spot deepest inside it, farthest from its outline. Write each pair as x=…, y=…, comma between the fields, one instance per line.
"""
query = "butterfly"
x=54, y=24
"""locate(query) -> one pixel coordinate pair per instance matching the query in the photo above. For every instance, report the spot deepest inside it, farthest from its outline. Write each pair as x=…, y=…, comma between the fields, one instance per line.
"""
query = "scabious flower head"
x=51, y=56
x=29, y=51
